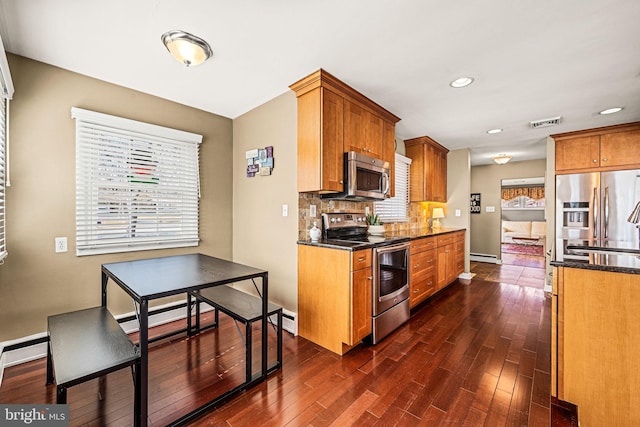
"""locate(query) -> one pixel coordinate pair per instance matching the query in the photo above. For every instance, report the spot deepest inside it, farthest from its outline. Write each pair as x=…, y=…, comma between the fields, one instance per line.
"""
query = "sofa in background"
x=532, y=229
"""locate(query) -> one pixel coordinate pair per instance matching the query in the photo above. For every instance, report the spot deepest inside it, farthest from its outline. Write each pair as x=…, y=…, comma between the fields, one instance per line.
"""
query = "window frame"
x=396, y=209
x=131, y=173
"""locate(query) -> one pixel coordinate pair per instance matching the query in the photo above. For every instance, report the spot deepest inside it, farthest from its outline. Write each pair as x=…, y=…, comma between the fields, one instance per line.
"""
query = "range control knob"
x=333, y=220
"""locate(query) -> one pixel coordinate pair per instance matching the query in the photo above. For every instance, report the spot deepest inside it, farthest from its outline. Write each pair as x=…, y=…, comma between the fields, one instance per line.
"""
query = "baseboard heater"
x=485, y=258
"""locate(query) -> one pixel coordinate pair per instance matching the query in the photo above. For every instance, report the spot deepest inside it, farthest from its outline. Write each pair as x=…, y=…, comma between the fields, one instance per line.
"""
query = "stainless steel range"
x=390, y=269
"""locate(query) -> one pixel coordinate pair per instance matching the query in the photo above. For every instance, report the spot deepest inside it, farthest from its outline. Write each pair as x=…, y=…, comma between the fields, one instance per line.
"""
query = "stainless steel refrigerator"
x=592, y=210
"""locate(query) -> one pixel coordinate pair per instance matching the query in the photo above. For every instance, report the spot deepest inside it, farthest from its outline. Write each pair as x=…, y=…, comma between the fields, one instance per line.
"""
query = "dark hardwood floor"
x=476, y=355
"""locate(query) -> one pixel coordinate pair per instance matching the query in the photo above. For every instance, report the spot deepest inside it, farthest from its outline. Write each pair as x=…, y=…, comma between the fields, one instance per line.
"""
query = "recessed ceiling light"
x=611, y=110
x=461, y=82
x=496, y=130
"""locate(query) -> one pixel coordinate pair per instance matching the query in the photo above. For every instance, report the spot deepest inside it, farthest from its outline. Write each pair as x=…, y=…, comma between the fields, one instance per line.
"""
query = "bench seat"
x=242, y=307
x=88, y=344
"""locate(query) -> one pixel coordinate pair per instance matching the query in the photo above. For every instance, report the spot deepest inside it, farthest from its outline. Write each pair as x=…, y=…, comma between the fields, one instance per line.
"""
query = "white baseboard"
x=36, y=351
x=485, y=258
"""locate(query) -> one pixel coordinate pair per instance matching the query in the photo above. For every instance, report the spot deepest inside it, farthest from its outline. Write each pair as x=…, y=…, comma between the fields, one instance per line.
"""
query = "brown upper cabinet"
x=601, y=149
x=428, y=180
x=334, y=118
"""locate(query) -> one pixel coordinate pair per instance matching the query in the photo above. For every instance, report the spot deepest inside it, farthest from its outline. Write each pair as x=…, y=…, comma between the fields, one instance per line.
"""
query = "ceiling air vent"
x=545, y=122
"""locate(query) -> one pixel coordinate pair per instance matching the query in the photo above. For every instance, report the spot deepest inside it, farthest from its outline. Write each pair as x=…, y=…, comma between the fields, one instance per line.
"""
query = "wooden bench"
x=241, y=307
x=88, y=344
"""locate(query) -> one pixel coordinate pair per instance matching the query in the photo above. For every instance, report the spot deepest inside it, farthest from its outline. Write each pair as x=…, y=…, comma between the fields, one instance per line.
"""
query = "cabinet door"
x=440, y=176
x=458, y=248
x=578, y=153
x=418, y=172
x=441, y=274
x=362, y=130
x=620, y=149
x=361, y=305
x=320, y=141
x=389, y=151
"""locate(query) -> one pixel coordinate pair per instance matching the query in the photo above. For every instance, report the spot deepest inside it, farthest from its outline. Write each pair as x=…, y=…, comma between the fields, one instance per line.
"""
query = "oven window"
x=393, y=271
x=367, y=180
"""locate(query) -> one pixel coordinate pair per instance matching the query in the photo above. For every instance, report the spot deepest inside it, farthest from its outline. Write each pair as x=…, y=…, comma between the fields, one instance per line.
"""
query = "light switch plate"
x=458, y=213
x=312, y=211
x=285, y=210
x=490, y=209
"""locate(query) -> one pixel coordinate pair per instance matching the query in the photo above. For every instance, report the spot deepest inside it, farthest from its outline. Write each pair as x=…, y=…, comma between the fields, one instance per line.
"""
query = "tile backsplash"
x=419, y=213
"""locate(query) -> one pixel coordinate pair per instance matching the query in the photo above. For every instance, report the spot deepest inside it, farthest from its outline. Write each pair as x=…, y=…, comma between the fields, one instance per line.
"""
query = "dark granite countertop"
x=616, y=260
x=375, y=241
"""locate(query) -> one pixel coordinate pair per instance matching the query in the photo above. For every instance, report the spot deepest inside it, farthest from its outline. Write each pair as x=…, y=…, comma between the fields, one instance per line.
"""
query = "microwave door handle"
x=387, y=181
x=595, y=212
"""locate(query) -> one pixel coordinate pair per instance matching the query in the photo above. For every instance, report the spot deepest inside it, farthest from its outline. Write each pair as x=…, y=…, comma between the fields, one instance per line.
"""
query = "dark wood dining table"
x=145, y=280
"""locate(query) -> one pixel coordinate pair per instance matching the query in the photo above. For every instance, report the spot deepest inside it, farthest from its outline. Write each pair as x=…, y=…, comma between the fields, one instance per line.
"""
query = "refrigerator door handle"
x=606, y=212
x=595, y=212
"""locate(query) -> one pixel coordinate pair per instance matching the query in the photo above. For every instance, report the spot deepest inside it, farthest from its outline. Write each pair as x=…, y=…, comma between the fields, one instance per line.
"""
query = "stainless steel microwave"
x=365, y=178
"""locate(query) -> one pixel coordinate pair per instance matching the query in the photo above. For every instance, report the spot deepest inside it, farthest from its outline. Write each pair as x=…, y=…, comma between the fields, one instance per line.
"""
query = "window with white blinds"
x=3, y=171
x=395, y=209
x=137, y=185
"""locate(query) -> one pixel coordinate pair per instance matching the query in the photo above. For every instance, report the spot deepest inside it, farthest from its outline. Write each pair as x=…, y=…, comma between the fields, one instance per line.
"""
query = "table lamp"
x=436, y=215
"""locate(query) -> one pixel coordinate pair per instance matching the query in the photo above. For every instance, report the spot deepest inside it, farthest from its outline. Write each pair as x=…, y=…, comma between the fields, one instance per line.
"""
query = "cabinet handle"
x=595, y=160
x=415, y=291
x=604, y=160
x=430, y=283
x=417, y=265
x=361, y=259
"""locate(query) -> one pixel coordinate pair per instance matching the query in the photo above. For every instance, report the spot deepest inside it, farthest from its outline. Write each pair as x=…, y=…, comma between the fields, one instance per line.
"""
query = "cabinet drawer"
x=458, y=236
x=421, y=289
x=423, y=261
x=422, y=245
x=361, y=259
x=444, y=239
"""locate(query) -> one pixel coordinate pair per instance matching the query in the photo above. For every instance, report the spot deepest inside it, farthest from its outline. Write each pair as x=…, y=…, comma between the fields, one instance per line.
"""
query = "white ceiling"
x=530, y=59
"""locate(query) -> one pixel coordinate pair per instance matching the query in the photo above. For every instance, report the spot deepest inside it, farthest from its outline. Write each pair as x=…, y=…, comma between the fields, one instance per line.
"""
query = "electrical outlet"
x=312, y=211
x=458, y=213
x=285, y=210
x=61, y=244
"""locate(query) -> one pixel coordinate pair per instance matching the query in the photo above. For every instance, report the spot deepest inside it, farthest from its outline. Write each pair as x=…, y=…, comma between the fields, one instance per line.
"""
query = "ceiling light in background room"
x=461, y=82
x=501, y=159
x=186, y=48
x=611, y=110
x=496, y=130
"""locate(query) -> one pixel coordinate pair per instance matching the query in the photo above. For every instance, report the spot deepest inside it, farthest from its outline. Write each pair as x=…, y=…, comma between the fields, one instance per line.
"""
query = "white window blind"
x=394, y=209
x=137, y=185
x=3, y=170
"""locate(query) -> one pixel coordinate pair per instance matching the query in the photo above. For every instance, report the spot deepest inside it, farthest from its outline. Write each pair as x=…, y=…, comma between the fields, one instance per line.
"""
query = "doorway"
x=523, y=224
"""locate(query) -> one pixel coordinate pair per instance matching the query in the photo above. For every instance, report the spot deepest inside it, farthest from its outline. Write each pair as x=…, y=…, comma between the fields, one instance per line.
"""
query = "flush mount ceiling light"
x=501, y=159
x=461, y=82
x=611, y=110
x=186, y=48
x=496, y=130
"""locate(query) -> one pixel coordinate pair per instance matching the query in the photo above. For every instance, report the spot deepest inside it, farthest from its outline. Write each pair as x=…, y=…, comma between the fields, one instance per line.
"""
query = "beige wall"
x=262, y=237
x=36, y=282
x=458, y=190
x=486, y=180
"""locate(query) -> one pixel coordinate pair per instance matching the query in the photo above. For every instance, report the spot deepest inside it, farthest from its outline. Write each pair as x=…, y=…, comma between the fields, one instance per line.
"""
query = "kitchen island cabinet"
x=334, y=296
x=334, y=118
x=598, y=150
x=596, y=343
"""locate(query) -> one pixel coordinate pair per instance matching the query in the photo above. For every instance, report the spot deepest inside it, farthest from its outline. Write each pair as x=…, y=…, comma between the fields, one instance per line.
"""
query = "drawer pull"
x=361, y=259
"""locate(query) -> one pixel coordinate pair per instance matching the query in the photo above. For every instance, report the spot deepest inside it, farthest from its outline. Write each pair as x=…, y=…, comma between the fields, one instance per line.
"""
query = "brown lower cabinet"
x=334, y=296
x=436, y=261
x=595, y=344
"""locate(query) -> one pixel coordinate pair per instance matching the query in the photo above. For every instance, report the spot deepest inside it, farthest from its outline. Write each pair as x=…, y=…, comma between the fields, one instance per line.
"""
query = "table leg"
x=265, y=325
x=144, y=362
x=105, y=279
